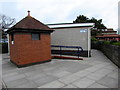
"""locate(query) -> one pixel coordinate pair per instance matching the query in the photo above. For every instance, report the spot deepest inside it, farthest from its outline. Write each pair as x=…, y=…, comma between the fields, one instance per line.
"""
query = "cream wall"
x=71, y=37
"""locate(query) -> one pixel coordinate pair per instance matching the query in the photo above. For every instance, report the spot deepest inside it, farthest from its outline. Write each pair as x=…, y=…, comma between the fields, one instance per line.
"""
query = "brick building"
x=29, y=42
x=109, y=37
x=109, y=31
x=109, y=34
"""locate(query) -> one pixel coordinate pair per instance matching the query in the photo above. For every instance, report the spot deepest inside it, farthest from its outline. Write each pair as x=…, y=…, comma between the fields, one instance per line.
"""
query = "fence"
x=62, y=52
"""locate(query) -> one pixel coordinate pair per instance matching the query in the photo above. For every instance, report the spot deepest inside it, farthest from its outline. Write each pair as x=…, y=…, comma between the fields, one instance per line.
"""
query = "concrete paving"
x=94, y=72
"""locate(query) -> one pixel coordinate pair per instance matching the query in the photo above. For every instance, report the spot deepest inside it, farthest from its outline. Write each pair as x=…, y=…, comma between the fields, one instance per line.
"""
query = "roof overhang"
x=28, y=30
x=70, y=25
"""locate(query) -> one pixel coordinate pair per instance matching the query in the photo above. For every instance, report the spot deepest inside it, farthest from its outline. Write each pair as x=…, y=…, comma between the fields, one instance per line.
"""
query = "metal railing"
x=79, y=49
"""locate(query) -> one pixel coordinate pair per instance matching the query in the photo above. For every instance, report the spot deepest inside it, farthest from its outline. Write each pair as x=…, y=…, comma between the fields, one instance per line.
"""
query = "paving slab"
x=99, y=74
x=95, y=76
x=82, y=73
x=29, y=84
x=111, y=67
x=33, y=73
x=83, y=83
x=69, y=79
x=36, y=76
x=54, y=84
x=26, y=69
x=44, y=80
x=108, y=82
x=61, y=74
x=113, y=74
x=17, y=83
x=77, y=67
x=97, y=67
x=15, y=77
x=96, y=85
x=70, y=86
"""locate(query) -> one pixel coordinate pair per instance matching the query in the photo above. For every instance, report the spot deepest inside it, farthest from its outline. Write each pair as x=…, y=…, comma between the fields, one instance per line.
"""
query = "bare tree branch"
x=6, y=22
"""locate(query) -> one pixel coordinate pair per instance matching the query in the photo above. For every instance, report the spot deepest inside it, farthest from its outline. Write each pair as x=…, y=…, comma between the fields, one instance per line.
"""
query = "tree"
x=98, y=23
x=81, y=19
x=5, y=23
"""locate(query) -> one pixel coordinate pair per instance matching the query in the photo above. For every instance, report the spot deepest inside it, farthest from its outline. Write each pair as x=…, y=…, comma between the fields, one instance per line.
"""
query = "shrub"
x=113, y=41
x=106, y=42
x=116, y=43
x=93, y=39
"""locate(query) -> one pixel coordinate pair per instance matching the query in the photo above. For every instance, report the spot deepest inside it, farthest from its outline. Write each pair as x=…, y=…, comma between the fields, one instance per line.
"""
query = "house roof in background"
x=109, y=35
x=110, y=29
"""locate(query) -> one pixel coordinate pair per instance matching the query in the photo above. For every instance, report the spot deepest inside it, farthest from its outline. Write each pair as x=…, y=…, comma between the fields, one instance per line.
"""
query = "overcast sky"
x=62, y=11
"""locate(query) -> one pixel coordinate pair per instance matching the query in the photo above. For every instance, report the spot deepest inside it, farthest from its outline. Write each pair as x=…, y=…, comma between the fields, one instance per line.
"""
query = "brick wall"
x=26, y=51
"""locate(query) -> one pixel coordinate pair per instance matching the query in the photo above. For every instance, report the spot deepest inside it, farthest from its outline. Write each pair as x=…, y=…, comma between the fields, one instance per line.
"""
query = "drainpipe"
x=88, y=30
x=8, y=44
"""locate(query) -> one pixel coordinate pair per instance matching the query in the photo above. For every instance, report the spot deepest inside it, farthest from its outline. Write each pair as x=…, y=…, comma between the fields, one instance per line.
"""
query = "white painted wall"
x=71, y=37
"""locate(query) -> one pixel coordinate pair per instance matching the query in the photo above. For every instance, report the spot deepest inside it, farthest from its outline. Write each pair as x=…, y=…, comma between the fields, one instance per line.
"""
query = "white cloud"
x=52, y=11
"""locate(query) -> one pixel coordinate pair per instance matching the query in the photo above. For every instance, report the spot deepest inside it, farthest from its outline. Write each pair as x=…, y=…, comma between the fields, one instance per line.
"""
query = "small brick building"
x=29, y=42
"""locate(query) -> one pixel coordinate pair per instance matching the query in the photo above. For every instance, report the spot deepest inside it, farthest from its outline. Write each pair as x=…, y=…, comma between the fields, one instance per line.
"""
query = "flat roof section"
x=70, y=25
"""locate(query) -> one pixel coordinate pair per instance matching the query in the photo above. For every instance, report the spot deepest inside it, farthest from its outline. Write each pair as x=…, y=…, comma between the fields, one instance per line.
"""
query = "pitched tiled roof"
x=30, y=23
x=109, y=35
x=110, y=29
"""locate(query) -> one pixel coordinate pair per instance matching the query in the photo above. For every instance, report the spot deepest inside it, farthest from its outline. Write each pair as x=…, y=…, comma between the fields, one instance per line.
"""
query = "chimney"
x=28, y=13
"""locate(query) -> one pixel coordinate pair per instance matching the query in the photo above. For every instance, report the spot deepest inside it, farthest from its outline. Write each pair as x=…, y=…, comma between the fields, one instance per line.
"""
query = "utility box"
x=29, y=42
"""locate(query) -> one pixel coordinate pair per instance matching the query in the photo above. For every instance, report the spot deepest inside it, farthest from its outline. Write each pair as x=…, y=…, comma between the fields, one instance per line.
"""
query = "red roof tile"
x=109, y=35
x=110, y=29
x=30, y=23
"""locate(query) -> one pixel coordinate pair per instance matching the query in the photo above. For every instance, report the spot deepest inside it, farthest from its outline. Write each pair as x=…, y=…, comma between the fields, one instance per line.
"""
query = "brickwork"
x=26, y=51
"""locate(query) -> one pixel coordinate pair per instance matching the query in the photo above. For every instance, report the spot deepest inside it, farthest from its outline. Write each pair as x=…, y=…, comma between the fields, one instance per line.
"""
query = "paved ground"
x=95, y=72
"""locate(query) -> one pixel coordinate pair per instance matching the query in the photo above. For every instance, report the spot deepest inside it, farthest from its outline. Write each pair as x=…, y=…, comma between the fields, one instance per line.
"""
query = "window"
x=35, y=36
x=12, y=38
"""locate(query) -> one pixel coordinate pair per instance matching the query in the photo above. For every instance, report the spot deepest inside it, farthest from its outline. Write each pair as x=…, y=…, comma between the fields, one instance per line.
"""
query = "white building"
x=72, y=34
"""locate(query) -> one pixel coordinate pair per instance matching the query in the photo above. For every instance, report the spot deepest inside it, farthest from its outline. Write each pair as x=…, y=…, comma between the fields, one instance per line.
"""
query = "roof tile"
x=30, y=23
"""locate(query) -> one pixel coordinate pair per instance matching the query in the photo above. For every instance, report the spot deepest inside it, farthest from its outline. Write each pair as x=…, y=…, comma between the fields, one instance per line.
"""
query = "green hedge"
x=93, y=39
x=112, y=42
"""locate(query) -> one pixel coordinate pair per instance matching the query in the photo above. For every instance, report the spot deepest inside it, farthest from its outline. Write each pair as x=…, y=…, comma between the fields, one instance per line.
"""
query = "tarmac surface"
x=94, y=72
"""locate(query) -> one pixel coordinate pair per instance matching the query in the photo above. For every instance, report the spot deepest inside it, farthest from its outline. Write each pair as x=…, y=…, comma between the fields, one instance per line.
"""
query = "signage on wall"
x=83, y=30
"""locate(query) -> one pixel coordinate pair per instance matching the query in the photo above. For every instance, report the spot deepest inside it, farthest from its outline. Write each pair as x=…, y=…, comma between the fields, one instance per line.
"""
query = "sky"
x=62, y=11
x=119, y=17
